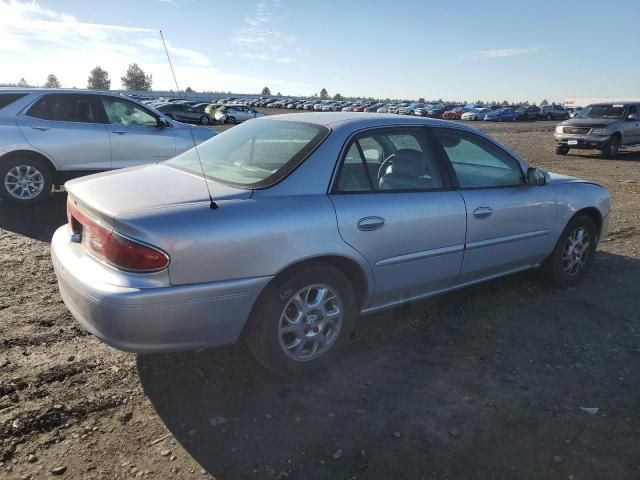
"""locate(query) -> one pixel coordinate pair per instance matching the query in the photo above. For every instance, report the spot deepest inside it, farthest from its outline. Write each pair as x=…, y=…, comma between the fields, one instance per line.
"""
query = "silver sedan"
x=305, y=222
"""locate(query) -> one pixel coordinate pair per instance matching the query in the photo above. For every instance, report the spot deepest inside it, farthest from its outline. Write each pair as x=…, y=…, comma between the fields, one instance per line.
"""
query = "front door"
x=135, y=134
x=394, y=206
x=631, y=125
x=509, y=222
x=68, y=129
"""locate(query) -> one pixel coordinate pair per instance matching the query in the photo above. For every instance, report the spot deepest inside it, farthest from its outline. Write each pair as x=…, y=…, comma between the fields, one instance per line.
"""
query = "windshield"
x=256, y=154
x=602, y=111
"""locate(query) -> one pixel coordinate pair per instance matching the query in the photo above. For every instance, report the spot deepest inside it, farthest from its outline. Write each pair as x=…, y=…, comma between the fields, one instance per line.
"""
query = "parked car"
x=385, y=108
x=501, y=115
x=554, y=112
x=373, y=108
x=436, y=110
x=149, y=263
x=48, y=136
x=409, y=109
x=601, y=126
x=185, y=113
x=475, y=114
x=395, y=108
x=311, y=105
x=236, y=114
x=453, y=114
x=528, y=112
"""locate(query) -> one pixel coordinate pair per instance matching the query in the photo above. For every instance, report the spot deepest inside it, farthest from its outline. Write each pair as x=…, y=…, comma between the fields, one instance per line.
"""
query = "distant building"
x=584, y=101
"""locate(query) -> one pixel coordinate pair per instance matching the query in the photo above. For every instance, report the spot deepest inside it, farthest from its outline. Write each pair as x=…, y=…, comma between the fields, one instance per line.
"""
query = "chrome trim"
x=412, y=257
x=507, y=239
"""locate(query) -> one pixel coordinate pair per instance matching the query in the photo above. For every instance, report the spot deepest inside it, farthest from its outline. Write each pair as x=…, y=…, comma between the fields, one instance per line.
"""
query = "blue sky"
x=465, y=49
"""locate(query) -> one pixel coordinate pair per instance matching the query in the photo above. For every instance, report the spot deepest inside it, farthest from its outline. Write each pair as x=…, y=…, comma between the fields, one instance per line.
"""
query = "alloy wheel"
x=575, y=253
x=310, y=322
x=24, y=182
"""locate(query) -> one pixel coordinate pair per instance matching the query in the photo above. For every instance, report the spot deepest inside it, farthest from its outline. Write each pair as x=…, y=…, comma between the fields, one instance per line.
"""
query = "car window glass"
x=64, y=108
x=123, y=112
x=8, y=98
x=632, y=110
x=389, y=161
x=478, y=162
x=40, y=109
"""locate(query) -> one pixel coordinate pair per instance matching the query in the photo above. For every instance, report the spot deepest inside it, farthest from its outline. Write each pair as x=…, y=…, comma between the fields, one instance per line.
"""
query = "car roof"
x=364, y=120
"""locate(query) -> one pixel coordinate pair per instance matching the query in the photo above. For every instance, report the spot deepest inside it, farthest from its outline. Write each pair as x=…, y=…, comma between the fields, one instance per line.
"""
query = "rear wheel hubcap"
x=24, y=182
x=310, y=322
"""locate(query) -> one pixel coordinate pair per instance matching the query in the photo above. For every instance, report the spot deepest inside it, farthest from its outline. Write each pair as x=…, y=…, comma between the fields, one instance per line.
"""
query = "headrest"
x=409, y=162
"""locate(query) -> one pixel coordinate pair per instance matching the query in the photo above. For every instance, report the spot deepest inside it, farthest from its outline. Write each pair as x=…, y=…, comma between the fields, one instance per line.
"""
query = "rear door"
x=69, y=129
x=509, y=222
x=135, y=134
x=395, y=205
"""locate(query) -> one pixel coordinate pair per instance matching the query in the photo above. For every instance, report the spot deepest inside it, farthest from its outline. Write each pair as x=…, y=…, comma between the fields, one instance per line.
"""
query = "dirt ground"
x=485, y=383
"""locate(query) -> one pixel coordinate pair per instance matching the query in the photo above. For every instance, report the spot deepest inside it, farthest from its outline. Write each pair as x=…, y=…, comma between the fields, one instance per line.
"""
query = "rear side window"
x=8, y=98
x=64, y=108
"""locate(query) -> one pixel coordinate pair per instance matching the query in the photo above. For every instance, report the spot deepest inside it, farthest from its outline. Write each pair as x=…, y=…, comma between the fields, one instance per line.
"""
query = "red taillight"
x=112, y=247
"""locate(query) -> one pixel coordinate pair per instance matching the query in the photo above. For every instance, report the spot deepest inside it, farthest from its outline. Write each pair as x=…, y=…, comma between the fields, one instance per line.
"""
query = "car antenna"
x=212, y=204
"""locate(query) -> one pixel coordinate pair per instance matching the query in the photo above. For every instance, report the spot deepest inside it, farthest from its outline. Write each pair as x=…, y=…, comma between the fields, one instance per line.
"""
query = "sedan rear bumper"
x=155, y=319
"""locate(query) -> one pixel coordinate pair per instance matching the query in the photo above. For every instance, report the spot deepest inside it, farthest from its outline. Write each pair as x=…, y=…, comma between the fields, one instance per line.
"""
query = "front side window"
x=64, y=108
x=632, y=111
x=389, y=160
x=256, y=154
x=124, y=112
x=477, y=162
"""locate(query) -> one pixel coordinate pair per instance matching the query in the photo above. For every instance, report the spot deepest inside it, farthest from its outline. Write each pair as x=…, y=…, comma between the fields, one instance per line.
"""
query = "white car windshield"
x=256, y=154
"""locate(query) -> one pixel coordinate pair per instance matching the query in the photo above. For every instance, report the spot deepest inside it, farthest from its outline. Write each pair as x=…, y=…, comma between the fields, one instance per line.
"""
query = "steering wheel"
x=384, y=165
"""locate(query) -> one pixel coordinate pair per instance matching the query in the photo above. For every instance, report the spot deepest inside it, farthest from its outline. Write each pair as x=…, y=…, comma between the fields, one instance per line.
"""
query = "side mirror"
x=632, y=117
x=163, y=123
x=535, y=176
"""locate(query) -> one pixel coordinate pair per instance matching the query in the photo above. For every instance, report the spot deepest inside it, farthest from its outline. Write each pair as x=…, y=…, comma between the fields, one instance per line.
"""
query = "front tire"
x=301, y=322
x=205, y=120
x=570, y=260
x=231, y=120
x=610, y=150
x=562, y=150
x=25, y=181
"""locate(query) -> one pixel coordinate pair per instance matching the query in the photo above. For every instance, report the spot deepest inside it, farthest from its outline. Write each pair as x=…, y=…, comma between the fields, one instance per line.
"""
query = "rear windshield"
x=7, y=98
x=255, y=154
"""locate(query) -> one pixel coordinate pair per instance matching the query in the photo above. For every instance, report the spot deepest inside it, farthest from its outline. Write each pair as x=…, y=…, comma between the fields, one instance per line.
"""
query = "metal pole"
x=170, y=64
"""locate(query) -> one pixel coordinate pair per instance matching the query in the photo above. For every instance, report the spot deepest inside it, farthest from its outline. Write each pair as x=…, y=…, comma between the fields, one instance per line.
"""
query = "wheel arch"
x=593, y=213
x=22, y=153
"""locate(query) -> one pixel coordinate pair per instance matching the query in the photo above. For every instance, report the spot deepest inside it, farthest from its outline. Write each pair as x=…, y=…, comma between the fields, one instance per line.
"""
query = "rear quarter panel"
x=241, y=238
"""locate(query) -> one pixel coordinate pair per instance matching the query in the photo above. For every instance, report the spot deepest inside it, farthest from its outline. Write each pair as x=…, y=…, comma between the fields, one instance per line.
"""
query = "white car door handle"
x=119, y=132
x=42, y=129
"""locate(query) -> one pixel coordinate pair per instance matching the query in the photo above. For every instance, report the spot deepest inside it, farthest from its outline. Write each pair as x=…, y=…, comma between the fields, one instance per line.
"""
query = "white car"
x=475, y=114
x=236, y=113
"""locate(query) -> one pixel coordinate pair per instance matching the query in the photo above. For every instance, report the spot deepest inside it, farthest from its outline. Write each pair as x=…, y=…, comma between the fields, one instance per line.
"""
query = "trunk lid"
x=135, y=189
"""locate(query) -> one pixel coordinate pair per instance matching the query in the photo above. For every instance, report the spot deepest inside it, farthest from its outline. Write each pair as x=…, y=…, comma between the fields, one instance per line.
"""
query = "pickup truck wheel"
x=302, y=321
x=610, y=150
x=570, y=260
x=561, y=150
x=25, y=181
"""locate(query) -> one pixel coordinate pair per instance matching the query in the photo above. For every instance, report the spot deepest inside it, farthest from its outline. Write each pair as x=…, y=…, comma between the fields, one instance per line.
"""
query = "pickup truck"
x=601, y=126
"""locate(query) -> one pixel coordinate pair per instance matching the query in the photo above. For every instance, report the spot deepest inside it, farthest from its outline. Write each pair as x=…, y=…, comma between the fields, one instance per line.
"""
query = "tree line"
x=134, y=79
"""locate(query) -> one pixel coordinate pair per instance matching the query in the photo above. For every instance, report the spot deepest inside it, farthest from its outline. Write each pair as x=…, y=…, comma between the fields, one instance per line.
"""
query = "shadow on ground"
x=35, y=221
x=486, y=382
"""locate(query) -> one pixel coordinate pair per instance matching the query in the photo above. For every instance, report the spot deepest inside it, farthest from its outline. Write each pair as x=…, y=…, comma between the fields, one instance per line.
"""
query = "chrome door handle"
x=42, y=129
x=368, y=224
x=119, y=132
x=482, y=212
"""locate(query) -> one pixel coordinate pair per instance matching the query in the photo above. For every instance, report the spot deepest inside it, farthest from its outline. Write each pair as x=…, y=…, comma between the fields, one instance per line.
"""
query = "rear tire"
x=25, y=181
x=570, y=260
x=231, y=120
x=561, y=150
x=318, y=332
x=205, y=120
